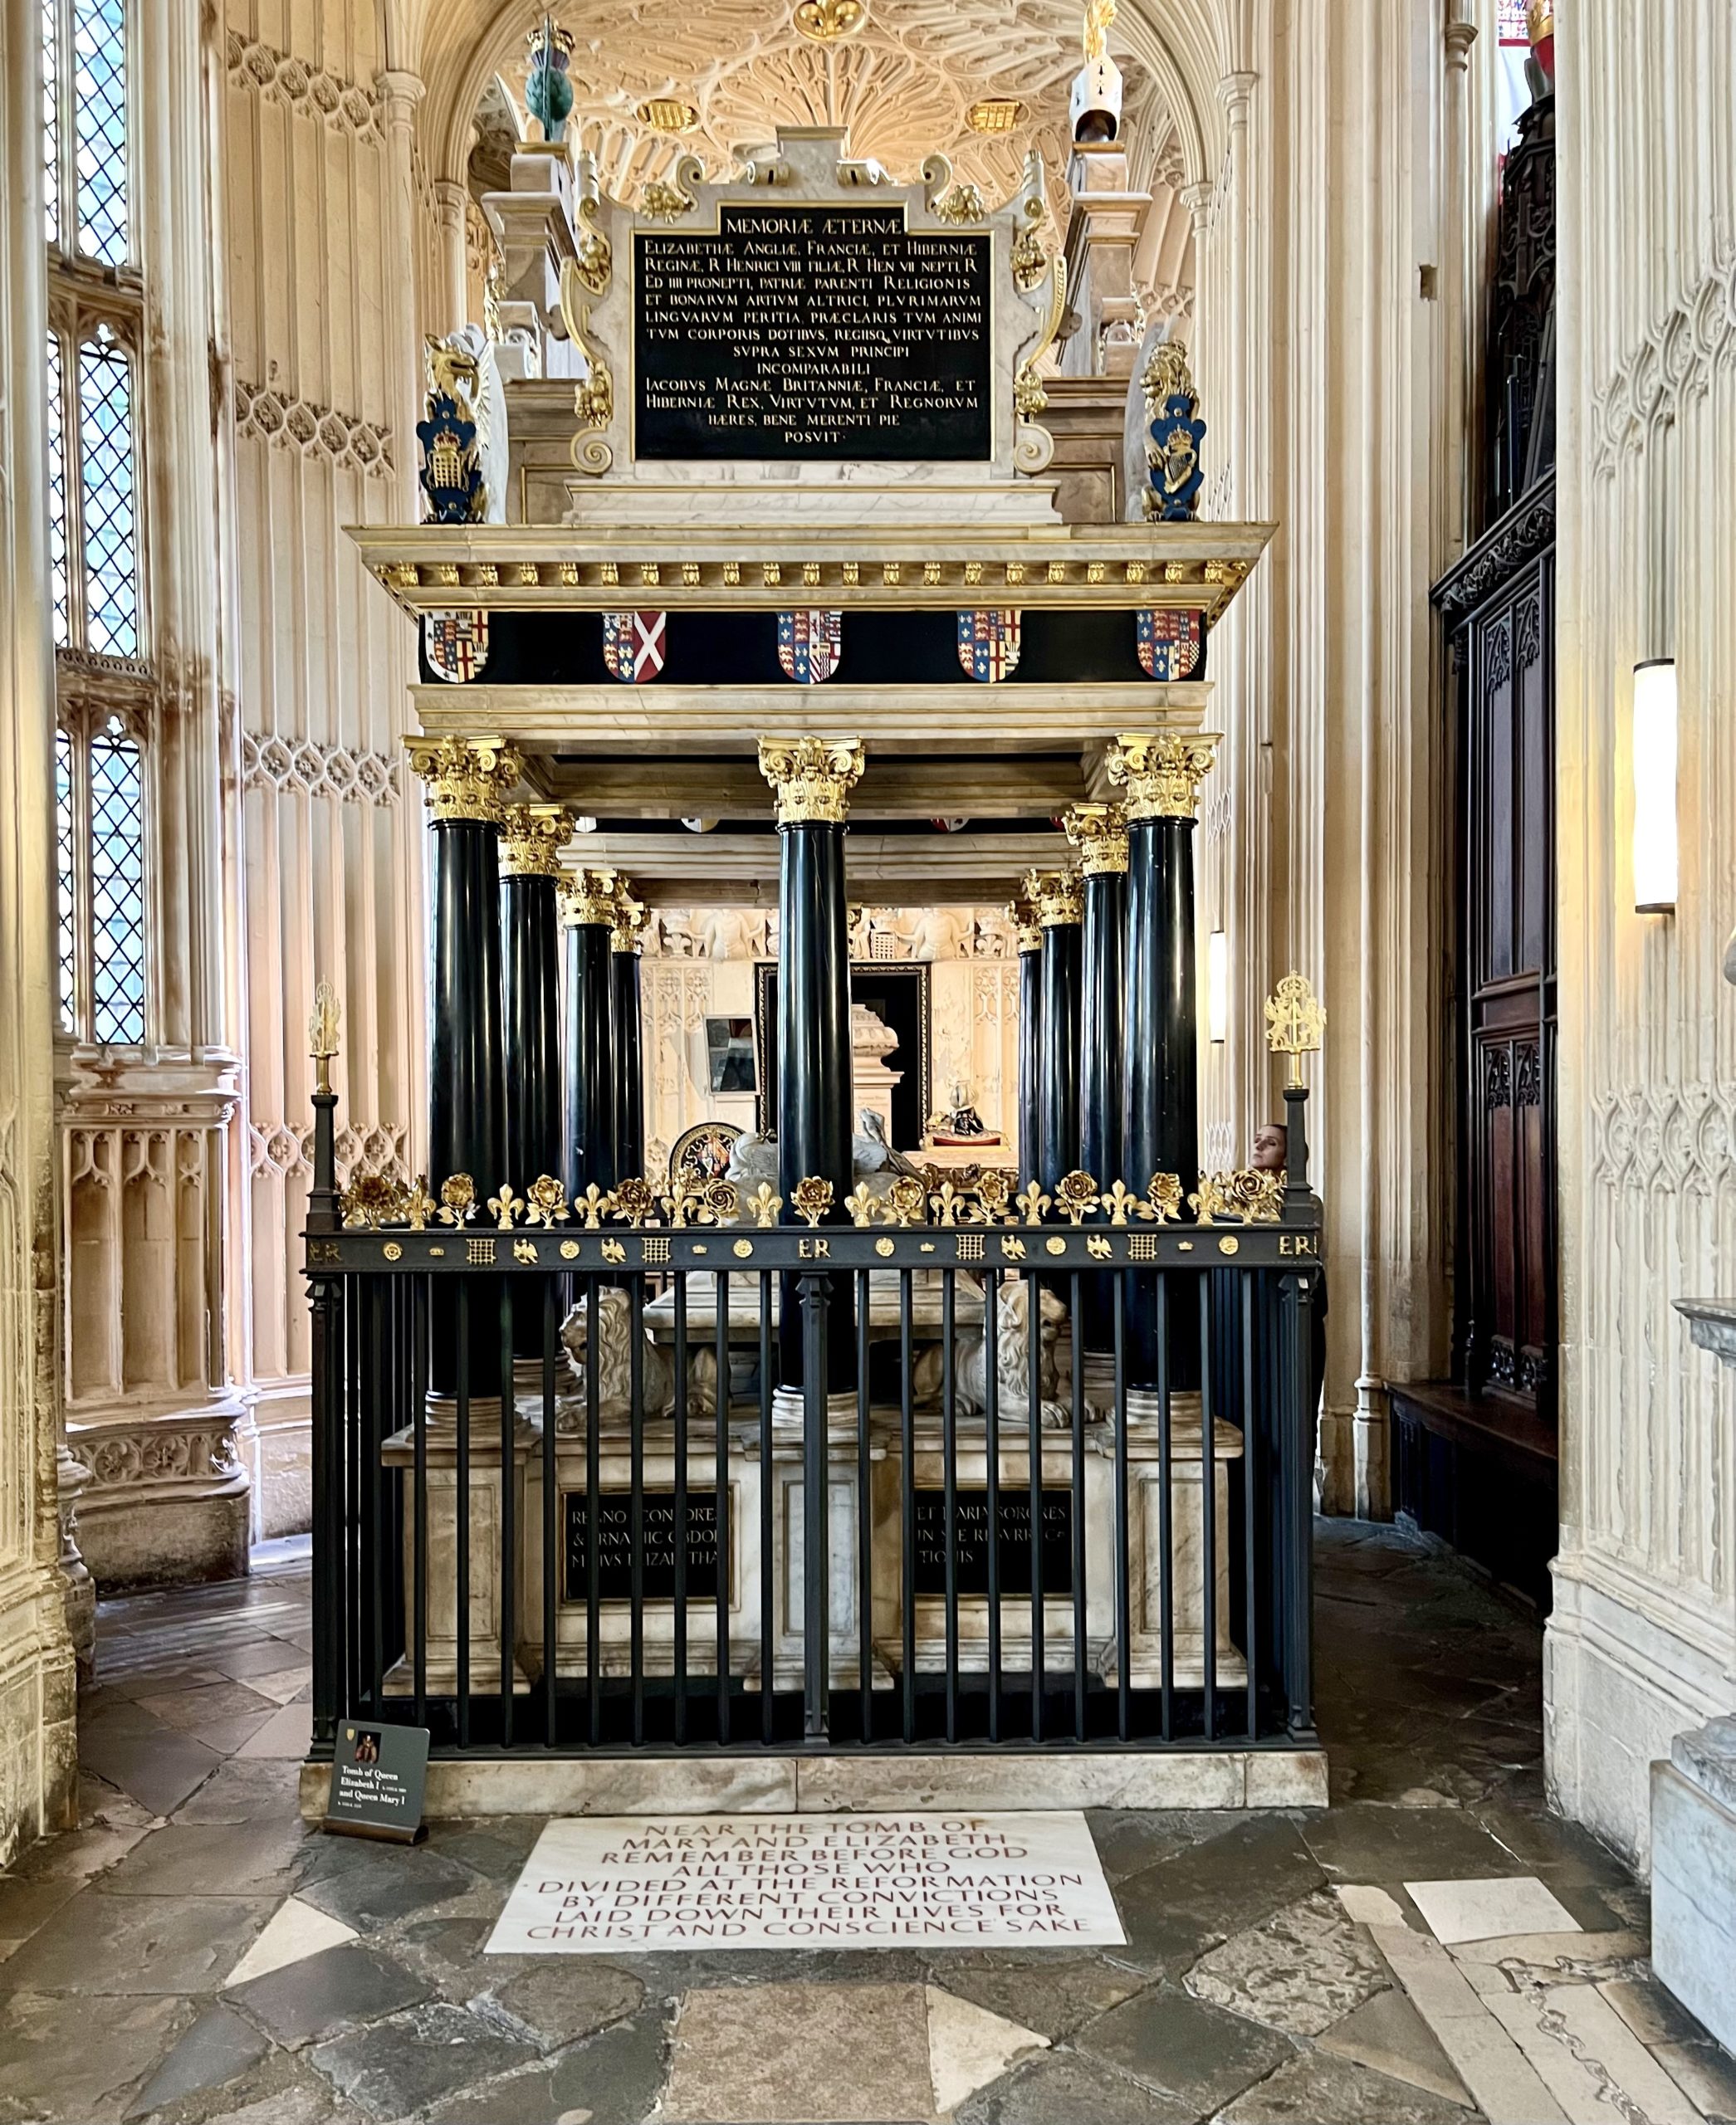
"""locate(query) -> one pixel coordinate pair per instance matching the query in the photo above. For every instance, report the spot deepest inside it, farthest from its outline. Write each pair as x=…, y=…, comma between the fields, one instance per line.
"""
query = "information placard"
x=608, y=1885
x=378, y=1777
x=813, y=332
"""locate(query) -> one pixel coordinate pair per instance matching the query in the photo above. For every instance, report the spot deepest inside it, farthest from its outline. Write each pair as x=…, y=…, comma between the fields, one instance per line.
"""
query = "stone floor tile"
x=284, y=1734
x=60, y=2061
x=1173, y=1912
x=412, y=2059
x=265, y=1656
x=253, y=1859
x=1485, y=1910
x=321, y=1994
x=1551, y=1958
x=558, y=2004
x=1066, y=2089
x=804, y=2054
x=497, y=1850
x=1185, y=2048
x=613, y=2079
x=1581, y=2050
x=1365, y=1906
x=370, y=1885
x=108, y=1945
x=1387, y=2034
x=190, y=1710
x=157, y=1770
x=1054, y=1997
x=969, y=2047
x=1127, y=1842
x=1321, y=2090
x=284, y=1685
x=1501, y=2081
x=294, y=1932
x=218, y=2049
x=1651, y=2011
x=1306, y=1968
x=1706, y=2074
x=1377, y=1841
x=259, y=1790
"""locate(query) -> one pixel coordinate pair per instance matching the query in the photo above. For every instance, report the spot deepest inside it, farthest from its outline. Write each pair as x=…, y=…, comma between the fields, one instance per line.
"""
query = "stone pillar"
x=1161, y=1089
x=1056, y=896
x=588, y=909
x=630, y=1078
x=450, y=201
x=1099, y=832
x=1103, y=229
x=468, y=779
x=813, y=778
x=532, y=840
x=1031, y=1038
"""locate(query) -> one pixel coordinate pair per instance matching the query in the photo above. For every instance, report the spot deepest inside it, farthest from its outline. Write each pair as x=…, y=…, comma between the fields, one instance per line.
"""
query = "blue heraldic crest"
x=452, y=465
x=1170, y=643
x=988, y=643
x=810, y=645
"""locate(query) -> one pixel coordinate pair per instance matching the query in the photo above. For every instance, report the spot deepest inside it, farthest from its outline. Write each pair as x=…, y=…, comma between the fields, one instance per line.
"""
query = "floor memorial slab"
x=601, y=1885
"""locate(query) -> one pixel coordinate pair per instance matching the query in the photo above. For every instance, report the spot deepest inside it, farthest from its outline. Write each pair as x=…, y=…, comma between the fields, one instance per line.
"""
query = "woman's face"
x=1271, y=1145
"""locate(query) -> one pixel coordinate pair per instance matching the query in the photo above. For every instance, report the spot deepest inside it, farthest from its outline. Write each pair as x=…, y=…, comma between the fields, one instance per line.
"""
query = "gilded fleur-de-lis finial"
x=1034, y=1203
x=506, y=1206
x=765, y=1205
x=1295, y=1021
x=861, y=1204
x=1124, y=1205
x=322, y=1034
x=594, y=1205
x=685, y=1203
x=946, y=1202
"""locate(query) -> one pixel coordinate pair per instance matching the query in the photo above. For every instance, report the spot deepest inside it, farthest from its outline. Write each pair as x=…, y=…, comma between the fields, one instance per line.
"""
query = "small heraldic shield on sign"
x=378, y=1775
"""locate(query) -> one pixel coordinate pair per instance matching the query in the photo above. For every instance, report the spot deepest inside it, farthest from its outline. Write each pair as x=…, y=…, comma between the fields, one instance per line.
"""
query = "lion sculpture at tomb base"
x=1013, y=1363
x=614, y=1368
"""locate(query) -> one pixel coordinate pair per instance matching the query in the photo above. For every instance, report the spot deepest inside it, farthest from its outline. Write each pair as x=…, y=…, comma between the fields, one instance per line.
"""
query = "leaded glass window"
x=86, y=148
x=105, y=482
x=66, y=867
x=117, y=888
x=57, y=492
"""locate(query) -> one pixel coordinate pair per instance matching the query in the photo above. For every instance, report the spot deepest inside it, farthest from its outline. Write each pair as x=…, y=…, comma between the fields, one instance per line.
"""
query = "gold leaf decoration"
x=457, y=1199
x=812, y=1198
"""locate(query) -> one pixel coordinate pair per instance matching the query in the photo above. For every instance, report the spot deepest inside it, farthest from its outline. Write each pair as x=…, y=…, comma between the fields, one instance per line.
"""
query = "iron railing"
x=631, y=1539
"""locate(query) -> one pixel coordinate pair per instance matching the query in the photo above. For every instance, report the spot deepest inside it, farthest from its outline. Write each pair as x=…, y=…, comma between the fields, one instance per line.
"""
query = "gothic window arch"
x=97, y=560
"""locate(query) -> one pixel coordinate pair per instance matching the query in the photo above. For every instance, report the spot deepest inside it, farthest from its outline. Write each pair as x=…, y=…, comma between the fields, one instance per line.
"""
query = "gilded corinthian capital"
x=1099, y=832
x=812, y=777
x=467, y=778
x=1161, y=775
x=1022, y=915
x=627, y=927
x=1055, y=895
x=532, y=836
x=589, y=896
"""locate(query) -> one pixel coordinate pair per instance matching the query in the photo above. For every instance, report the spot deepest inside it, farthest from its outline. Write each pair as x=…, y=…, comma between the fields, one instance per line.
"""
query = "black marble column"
x=1160, y=1095
x=813, y=779
x=467, y=780
x=587, y=910
x=1099, y=832
x=1030, y=1041
x=532, y=840
x=630, y=1082
x=1057, y=896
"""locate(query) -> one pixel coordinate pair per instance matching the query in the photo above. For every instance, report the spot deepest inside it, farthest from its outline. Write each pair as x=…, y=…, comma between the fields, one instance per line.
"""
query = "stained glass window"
x=106, y=498
x=117, y=888
x=57, y=491
x=51, y=118
x=99, y=102
x=65, y=877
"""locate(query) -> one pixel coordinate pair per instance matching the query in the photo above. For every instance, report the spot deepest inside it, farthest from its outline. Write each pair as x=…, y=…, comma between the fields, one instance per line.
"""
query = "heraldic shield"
x=988, y=643
x=633, y=645
x=810, y=645
x=456, y=644
x=1170, y=643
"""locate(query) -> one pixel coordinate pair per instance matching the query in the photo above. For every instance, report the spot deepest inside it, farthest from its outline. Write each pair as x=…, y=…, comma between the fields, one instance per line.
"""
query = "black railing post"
x=325, y=1293
x=816, y=1289
x=1296, y=1499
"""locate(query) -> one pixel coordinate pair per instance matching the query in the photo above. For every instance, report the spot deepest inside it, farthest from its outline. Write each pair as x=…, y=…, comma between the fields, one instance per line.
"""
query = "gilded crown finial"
x=468, y=779
x=532, y=836
x=1295, y=1021
x=1161, y=774
x=812, y=777
x=1099, y=832
x=1055, y=895
x=1099, y=14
